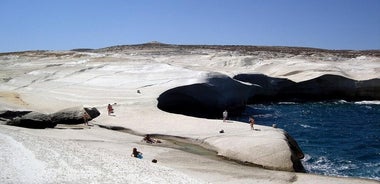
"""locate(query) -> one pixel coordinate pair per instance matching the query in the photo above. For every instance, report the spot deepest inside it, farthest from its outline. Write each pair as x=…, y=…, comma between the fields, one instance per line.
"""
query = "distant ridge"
x=245, y=49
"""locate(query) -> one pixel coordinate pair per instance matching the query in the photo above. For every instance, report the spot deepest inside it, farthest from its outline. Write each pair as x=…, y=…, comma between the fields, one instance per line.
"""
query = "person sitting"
x=136, y=153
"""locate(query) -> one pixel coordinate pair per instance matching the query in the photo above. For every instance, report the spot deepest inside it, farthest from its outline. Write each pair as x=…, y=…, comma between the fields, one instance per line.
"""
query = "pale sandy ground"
x=97, y=155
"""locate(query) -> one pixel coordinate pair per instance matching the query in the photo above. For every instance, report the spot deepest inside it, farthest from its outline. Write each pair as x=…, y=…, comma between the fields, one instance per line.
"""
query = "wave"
x=323, y=165
x=368, y=103
x=306, y=158
x=266, y=116
x=330, y=148
x=306, y=126
x=376, y=172
x=341, y=102
x=287, y=103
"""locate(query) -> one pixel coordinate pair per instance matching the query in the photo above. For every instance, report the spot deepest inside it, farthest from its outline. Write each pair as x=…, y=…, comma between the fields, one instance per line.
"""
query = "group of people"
x=86, y=117
x=251, y=120
x=150, y=140
x=147, y=139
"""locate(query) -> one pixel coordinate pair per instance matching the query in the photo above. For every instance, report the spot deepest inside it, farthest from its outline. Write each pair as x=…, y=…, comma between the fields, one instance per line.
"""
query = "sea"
x=338, y=138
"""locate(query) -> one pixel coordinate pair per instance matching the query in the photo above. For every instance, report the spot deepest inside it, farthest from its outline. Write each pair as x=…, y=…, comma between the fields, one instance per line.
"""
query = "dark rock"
x=33, y=120
x=68, y=116
x=333, y=87
x=219, y=93
x=368, y=90
x=207, y=100
x=93, y=112
x=266, y=89
x=297, y=153
x=8, y=114
x=73, y=115
x=326, y=87
x=3, y=121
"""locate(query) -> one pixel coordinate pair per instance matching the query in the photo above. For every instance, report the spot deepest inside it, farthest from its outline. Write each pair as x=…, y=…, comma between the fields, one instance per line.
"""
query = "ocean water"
x=337, y=138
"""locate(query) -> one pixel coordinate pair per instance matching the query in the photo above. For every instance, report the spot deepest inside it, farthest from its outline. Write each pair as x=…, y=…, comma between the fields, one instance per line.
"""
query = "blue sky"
x=69, y=24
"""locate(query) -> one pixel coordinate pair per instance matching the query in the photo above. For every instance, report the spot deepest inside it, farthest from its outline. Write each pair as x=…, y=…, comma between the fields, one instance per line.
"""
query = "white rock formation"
x=51, y=81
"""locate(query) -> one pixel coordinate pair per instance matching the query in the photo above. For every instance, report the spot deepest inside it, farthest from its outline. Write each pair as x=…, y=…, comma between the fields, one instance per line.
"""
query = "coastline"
x=110, y=149
x=51, y=83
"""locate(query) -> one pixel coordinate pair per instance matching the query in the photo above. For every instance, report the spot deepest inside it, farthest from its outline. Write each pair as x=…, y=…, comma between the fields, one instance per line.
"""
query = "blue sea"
x=338, y=138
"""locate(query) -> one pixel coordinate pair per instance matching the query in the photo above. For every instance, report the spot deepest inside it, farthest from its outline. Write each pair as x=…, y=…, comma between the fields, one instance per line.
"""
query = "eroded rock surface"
x=326, y=87
x=207, y=99
x=184, y=81
x=32, y=119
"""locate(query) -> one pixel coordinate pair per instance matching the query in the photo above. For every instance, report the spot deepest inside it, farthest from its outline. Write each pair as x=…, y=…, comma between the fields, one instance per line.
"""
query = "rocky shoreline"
x=144, y=81
x=208, y=99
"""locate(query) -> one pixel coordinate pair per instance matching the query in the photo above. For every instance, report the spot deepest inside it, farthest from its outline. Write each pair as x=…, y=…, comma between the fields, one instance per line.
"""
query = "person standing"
x=251, y=122
x=110, y=109
x=225, y=115
x=86, y=117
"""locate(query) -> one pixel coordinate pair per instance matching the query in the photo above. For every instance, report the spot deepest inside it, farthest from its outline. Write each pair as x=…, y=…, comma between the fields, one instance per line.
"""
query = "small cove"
x=185, y=145
x=338, y=138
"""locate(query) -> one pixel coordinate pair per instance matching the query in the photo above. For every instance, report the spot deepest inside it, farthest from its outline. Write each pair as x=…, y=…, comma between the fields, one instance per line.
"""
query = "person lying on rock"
x=150, y=140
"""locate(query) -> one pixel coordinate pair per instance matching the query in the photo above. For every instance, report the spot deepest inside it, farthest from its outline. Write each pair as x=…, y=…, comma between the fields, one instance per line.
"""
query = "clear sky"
x=69, y=24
